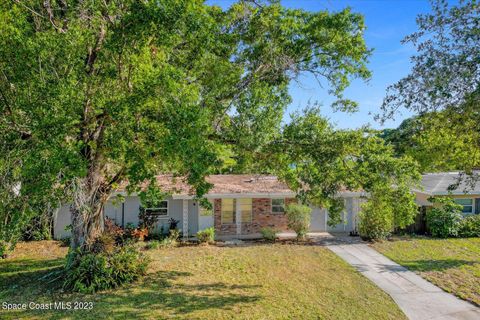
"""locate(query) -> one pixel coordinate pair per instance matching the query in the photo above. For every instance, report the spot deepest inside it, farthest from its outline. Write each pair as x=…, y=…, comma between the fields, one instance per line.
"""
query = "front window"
x=246, y=209
x=228, y=210
x=466, y=203
x=160, y=210
x=278, y=205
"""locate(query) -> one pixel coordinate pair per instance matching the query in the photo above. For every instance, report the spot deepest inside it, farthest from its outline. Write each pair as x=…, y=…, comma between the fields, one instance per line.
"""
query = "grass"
x=268, y=281
x=451, y=264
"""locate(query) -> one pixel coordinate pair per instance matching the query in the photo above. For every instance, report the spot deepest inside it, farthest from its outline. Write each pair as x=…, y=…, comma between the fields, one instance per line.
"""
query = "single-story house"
x=465, y=193
x=242, y=204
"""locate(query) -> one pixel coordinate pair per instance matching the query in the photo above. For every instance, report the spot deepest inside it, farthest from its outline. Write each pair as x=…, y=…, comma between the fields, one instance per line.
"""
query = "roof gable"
x=440, y=183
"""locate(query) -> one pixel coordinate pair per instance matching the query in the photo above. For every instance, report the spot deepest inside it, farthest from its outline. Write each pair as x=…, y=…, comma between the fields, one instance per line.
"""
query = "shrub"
x=167, y=242
x=470, y=227
x=444, y=221
x=299, y=219
x=153, y=244
x=91, y=272
x=173, y=224
x=147, y=220
x=155, y=236
x=139, y=234
x=206, y=235
x=104, y=243
x=375, y=219
x=269, y=234
x=65, y=241
x=112, y=228
x=162, y=241
x=39, y=227
x=132, y=233
x=174, y=234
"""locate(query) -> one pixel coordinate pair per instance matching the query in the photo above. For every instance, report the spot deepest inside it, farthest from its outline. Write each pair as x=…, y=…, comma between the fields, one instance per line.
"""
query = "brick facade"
x=262, y=216
x=222, y=229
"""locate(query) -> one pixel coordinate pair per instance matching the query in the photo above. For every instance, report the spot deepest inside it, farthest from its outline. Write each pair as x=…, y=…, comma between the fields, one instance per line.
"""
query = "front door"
x=205, y=218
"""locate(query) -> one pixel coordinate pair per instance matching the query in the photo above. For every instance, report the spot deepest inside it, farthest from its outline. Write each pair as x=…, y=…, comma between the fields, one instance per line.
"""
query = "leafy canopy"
x=143, y=87
x=97, y=92
x=319, y=161
x=445, y=70
x=437, y=141
x=443, y=88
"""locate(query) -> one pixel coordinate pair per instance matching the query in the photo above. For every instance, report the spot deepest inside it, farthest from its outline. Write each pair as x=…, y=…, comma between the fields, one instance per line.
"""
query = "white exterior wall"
x=319, y=221
x=61, y=220
x=131, y=209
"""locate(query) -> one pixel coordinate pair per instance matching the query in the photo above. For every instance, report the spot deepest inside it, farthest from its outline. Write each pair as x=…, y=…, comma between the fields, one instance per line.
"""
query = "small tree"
x=299, y=219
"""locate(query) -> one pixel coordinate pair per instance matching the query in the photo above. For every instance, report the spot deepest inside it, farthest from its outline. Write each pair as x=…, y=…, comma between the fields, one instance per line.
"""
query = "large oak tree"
x=93, y=93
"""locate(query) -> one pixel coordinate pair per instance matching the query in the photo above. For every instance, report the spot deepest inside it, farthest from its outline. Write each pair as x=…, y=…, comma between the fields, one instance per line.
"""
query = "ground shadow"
x=162, y=290
x=27, y=265
x=436, y=264
x=180, y=299
x=38, y=276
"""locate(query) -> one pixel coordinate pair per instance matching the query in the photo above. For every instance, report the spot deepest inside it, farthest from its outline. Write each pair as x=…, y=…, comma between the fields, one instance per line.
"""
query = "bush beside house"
x=299, y=219
x=469, y=227
x=376, y=220
x=446, y=220
x=112, y=260
x=269, y=234
x=206, y=235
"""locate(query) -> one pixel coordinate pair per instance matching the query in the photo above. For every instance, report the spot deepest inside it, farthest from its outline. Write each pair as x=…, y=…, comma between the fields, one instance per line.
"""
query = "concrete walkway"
x=416, y=297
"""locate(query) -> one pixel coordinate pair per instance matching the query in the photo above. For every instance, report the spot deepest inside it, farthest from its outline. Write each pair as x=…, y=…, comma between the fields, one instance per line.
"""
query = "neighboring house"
x=465, y=193
x=463, y=190
x=242, y=206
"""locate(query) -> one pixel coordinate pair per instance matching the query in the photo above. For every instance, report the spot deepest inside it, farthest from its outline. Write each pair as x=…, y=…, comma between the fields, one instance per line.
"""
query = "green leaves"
x=442, y=88
x=148, y=86
x=320, y=162
x=103, y=92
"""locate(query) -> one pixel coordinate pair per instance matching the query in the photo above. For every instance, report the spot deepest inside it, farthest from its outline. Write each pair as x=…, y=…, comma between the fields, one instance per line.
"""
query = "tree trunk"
x=89, y=198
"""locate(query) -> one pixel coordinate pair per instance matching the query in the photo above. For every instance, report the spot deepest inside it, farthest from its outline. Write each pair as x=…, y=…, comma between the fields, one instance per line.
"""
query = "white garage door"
x=318, y=222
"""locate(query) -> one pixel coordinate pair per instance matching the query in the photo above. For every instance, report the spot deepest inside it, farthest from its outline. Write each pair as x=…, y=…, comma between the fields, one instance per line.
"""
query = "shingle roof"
x=224, y=184
x=440, y=183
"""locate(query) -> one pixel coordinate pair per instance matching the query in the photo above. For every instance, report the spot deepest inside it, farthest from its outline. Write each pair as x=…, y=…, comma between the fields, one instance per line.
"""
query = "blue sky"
x=388, y=22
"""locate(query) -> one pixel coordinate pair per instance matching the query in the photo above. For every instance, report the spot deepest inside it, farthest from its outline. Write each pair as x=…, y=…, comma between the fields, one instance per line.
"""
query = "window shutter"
x=477, y=205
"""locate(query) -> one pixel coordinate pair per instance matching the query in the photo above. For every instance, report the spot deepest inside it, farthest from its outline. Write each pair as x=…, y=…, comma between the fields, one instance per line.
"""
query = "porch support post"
x=185, y=219
x=355, y=210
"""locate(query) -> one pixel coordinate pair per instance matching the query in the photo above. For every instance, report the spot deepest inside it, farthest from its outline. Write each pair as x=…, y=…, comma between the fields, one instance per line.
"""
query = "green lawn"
x=276, y=281
x=452, y=264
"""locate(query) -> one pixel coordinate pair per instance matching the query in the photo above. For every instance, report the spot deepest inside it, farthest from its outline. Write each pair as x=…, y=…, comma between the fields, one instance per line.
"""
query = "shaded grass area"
x=269, y=281
x=452, y=264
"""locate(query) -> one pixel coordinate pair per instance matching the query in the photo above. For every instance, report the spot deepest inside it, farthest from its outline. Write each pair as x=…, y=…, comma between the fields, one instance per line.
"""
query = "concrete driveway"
x=416, y=297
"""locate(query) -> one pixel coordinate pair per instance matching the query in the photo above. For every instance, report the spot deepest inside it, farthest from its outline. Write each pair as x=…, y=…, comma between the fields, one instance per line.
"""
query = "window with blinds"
x=245, y=206
x=228, y=211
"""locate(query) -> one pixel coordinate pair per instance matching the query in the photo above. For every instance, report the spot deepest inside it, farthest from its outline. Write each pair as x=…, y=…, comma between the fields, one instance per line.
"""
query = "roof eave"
x=455, y=193
x=237, y=195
